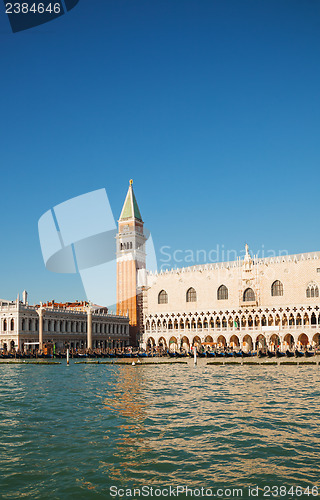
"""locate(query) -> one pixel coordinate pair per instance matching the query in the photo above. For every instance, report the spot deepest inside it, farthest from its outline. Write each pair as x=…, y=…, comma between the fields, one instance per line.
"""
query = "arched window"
x=163, y=297
x=248, y=295
x=222, y=292
x=191, y=295
x=276, y=288
x=12, y=324
x=312, y=290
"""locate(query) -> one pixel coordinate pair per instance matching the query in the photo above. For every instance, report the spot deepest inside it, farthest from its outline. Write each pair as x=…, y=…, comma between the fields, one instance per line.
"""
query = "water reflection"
x=226, y=424
x=128, y=403
x=76, y=431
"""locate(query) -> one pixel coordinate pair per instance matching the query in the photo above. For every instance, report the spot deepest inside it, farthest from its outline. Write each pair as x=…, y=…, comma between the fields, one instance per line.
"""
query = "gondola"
x=309, y=354
x=229, y=354
x=211, y=354
x=202, y=354
x=262, y=354
x=280, y=354
x=220, y=354
x=172, y=354
x=270, y=354
x=238, y=354
x=99, y=354
x=289, y=354
x=181, y=354
x=298, y=354
x=246, y=354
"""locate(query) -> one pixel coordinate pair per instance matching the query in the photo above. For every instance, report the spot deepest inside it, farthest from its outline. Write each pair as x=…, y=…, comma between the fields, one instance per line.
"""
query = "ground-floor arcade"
x=247, y=341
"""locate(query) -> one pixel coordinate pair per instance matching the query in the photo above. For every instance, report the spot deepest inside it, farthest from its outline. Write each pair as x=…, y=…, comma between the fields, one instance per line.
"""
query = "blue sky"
x=211, y=106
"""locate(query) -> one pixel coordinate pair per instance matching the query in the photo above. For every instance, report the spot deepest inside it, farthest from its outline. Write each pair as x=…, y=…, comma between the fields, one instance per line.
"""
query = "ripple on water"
x=73, y=432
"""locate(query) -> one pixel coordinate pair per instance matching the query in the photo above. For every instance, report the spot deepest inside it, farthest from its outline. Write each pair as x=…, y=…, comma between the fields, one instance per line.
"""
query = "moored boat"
x=309, y=354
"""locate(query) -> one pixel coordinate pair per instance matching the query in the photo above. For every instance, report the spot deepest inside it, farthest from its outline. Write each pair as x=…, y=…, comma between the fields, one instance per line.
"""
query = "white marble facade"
x=248, y=303
x=19, y=326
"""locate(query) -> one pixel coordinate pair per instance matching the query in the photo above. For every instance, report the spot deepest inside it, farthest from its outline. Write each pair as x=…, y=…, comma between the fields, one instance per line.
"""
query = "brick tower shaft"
x=130, y=258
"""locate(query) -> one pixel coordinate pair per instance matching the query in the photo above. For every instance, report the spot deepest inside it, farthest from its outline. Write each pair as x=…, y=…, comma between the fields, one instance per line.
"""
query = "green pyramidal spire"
x=130, y=208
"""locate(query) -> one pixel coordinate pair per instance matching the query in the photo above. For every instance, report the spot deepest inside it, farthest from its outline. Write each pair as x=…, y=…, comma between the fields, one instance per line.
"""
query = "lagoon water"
x=73, y=432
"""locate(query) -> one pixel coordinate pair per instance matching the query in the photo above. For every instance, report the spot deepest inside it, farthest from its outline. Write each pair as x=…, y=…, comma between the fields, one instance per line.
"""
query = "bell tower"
x=130, y=258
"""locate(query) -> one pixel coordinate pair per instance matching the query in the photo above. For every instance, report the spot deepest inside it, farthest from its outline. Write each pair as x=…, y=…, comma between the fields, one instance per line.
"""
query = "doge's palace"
x=248, y=303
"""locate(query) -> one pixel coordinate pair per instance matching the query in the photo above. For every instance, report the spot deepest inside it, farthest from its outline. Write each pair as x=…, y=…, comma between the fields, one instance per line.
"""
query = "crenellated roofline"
x=240, y=262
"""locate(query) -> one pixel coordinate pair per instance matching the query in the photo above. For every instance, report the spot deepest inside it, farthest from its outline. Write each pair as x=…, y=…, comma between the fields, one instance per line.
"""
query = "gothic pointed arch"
x=222, y=293
x=163, y=297
x=191, y=295
x=277, y=289
x=312, y=290
x=249, y=295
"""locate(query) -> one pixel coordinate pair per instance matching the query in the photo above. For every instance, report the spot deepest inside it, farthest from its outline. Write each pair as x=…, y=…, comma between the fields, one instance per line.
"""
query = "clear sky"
x=211, y=106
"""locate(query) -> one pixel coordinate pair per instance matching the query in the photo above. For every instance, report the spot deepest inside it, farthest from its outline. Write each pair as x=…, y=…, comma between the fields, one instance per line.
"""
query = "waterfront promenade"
x=76, y=431
x=136, y=362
